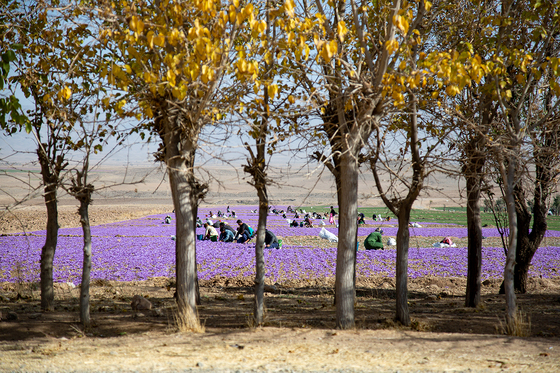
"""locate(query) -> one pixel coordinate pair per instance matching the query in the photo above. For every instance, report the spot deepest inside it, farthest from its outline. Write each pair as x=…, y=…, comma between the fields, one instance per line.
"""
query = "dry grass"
x=519, y=326
x=187, y=321
x=420, y=326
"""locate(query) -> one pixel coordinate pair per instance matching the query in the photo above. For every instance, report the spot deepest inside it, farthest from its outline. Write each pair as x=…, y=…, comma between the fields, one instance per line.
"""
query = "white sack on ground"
x=328, y=235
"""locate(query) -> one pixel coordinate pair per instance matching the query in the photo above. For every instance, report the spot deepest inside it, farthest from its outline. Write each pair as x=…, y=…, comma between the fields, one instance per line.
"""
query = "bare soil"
x=299, y=333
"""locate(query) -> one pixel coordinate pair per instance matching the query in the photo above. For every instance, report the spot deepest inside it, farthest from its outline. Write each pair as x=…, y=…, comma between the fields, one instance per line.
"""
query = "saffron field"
x=139, y=249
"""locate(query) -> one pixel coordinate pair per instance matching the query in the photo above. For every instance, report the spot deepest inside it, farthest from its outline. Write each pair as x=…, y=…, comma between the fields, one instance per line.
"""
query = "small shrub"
x=420, y=326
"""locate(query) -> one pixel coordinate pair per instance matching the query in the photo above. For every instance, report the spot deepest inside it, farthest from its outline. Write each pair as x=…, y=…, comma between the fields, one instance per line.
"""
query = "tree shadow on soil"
x=226, y=308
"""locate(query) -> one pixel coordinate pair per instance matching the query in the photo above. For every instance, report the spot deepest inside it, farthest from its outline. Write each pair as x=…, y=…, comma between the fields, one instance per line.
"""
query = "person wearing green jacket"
x=374, y=241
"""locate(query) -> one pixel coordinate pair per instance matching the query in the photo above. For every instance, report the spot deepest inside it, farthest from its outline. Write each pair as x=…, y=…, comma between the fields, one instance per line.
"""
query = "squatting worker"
x=243, y=234
x=374, y=241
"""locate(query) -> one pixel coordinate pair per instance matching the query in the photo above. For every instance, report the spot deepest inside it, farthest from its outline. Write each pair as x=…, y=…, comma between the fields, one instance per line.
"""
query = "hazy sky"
x=20, y=148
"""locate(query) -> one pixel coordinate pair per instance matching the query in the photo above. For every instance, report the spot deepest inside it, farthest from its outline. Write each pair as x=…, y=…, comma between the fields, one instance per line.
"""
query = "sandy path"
x=277, y=349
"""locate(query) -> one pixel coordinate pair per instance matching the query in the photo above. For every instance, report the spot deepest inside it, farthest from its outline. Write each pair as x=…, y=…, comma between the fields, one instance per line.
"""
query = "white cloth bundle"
x=328, y=235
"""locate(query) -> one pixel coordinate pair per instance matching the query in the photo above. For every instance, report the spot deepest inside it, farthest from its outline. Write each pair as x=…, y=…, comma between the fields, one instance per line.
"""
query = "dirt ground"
x=299, y=333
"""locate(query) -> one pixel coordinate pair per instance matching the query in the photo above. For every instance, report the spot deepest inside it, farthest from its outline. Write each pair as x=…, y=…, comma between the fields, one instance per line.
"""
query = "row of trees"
x=402, y=88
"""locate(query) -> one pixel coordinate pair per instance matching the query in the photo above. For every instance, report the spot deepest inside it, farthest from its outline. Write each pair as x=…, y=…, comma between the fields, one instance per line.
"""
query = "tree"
x=173, y=59
x=525, y=72
x=472, y=111
x=348, y=94
x=82, y=191
x=258, y=115
x=90, y=134
x=52, y=53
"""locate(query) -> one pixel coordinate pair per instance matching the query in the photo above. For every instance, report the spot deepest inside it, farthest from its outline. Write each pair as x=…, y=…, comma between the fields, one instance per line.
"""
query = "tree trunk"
x=529, y=242
x=346, y=252
x=198, y=298
x=473, y=175
x=48, y=251
x=50, y=180
x=403, y=238
x=509, y=178
x=185, y=241
x=527, y=245
x=474, y=245
x=86, y=270
x=179, y=157
x=259, y=255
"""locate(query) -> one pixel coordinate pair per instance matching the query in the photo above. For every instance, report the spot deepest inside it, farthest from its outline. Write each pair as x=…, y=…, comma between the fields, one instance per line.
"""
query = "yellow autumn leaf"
x=272, y=90
x=150, y=77
x=289, y=7
x=401, y=23
x=147, y=110
x=120, y=105
x=171, y=76
x=342, y=29
x=452, y=90
x=427, y=6
x=173, y=37
x=318, y=42
x=192, y=71
x=207, y=74
x=136, y=24
x=150, y=39
x=391, y=46
x=65, y=93
x=329, y=50
x=291, y=36
x=398, y=97
x=262, y=27
x=159, y=40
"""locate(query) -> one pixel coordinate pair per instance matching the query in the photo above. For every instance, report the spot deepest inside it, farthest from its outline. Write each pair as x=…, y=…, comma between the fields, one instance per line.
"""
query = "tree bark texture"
x=185, y=249
x=403, y=240
x=474, y=244
x=86, y=270
x=346, y=252
x=259, y=256
x=509, y=177
x=179, y=156
x=50, y=180
x=472, y=170
x=404, y=208
x=529, y=238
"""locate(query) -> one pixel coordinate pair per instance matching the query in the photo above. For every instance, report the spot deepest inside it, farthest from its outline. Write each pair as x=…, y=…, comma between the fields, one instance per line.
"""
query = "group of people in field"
x=223, y=232
x=243, y=234
x=307, y=221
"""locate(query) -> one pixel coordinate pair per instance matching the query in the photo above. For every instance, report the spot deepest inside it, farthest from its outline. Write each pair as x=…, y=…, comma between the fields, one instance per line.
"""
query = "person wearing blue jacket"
x=226, y=235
